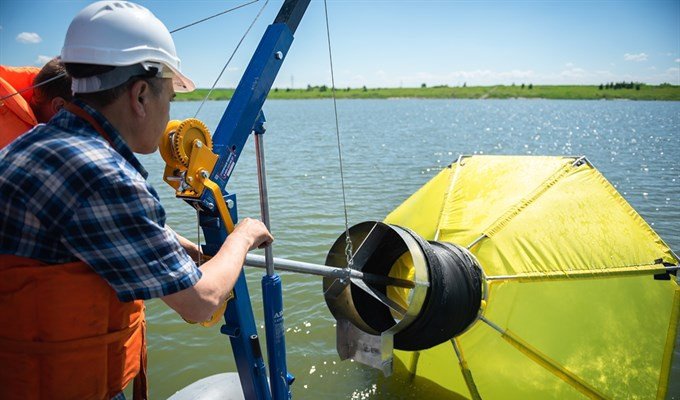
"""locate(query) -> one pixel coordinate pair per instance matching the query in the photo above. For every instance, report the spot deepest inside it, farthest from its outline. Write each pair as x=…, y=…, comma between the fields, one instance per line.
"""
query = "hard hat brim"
x=180, y=82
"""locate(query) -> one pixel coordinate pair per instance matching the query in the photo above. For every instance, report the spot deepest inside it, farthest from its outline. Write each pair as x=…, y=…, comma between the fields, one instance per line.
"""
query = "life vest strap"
x=76, y=110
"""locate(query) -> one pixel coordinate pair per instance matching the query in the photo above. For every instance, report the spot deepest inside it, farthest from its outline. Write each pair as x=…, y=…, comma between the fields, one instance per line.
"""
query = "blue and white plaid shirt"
x=66, y=194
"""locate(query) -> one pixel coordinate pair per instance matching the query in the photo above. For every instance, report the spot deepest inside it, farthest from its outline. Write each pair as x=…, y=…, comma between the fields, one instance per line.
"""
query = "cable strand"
x=349, y=251
x=172, y=31
x=213, y=16
x=198, y=237
x=54, y=78
x=230, y=58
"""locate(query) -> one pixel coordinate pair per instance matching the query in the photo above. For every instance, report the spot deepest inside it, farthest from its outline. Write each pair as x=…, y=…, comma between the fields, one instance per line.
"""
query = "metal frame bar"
x=231, y=134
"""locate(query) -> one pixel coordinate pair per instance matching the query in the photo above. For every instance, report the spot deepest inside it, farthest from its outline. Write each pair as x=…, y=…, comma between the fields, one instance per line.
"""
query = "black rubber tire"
x=452, y=300
x=450, y=306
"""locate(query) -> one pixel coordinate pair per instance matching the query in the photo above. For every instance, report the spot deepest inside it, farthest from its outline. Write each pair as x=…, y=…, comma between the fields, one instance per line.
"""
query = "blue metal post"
x=280, y=379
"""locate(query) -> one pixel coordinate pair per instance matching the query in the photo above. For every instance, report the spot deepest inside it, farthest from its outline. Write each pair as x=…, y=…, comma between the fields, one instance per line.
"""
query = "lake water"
x=390, y=149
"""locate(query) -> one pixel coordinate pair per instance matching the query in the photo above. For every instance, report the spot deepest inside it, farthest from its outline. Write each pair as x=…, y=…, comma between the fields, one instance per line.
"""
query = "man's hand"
x=219, y=274
x=254, y=232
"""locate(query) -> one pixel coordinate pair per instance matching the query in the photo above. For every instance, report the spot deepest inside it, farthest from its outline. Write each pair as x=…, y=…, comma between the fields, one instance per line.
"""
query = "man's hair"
x=60, y=87
x=106, y=97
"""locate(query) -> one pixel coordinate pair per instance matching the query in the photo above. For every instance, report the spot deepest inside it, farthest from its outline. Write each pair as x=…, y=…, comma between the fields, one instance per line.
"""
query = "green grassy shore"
x=637, y=92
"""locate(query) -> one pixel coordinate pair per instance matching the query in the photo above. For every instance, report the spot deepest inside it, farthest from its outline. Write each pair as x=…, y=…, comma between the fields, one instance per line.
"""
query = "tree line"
x=620, y=85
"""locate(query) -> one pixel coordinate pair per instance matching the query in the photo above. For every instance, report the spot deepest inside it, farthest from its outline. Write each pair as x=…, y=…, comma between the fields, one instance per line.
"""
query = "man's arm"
x=119, y=230
x=190, y=247
x=219, y=274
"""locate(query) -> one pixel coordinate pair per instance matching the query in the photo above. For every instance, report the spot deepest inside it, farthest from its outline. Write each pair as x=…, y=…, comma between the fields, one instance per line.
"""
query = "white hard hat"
x=121, y=34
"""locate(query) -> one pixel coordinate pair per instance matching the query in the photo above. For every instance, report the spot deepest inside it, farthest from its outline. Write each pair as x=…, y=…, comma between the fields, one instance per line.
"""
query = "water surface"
x=390, y=149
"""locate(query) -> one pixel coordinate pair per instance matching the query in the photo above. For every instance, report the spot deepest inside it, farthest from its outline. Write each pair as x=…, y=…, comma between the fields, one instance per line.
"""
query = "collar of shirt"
x=117, y=141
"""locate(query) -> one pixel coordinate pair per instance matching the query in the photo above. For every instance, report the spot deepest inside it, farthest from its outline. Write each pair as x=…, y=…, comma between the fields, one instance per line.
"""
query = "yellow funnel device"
x=579, y=303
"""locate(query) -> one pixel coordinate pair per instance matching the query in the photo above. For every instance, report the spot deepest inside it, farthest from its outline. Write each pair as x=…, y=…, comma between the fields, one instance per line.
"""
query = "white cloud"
x=635, y=57
x=28, y=37
x=42, y=60
x=574, y=73
x=677, y=60
x=569, y=65
x=516, y=74
x=671, y=75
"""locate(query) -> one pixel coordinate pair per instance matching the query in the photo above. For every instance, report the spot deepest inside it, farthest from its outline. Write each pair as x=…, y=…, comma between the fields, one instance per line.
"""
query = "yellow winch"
x=186, y=147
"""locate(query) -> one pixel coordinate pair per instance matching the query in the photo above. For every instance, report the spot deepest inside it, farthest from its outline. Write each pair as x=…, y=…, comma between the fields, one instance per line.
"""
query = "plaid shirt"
x=66, y=194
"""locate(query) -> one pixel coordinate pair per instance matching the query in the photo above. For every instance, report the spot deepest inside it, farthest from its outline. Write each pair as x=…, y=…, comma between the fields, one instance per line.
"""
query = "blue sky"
x=401, y=43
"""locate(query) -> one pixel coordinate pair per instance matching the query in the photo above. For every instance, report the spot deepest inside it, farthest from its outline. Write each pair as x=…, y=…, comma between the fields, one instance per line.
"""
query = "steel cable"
x=231, y=57
x=213, y=16
x=349, y=250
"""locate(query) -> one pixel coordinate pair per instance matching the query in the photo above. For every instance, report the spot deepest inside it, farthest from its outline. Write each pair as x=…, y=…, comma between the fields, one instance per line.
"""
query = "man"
x=50, y=97
x=50, y=89
x=83, y=239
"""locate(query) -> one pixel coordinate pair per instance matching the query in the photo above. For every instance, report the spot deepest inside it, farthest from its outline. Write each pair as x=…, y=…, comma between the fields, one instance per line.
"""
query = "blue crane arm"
x=242, y=113
x=242, y=116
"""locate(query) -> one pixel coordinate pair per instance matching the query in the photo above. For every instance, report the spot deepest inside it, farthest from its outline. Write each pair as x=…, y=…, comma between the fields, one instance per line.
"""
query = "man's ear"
x=56, y=104
x=139, y=95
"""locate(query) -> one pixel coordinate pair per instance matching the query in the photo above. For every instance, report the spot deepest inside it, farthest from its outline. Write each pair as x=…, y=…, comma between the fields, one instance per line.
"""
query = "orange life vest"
x=16, y=116
x=65, y=335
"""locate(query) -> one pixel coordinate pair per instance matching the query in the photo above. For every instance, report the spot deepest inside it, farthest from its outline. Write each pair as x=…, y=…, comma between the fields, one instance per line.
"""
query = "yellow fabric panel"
x=485, y=187
x=609, y=332
x=562, y=223
x=438, y=364
x=417, y=386
x=403, y=268
x=670, y=344
x=614, y=343
x=421, y=211
x=555, y=368
x=546, y=220
x=500, y=371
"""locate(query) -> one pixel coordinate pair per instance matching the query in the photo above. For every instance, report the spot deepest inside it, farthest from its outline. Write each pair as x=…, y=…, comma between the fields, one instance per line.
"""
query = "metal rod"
x=672, y=269
x=264, y=198
x=254, y=260
x=476, y=241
